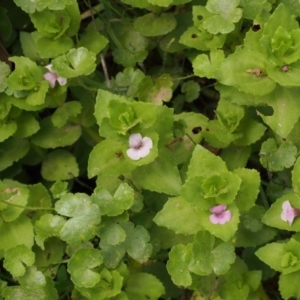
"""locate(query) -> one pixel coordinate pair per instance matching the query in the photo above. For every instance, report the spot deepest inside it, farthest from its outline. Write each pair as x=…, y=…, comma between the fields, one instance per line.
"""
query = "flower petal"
x=147, y=142
x=135, y=140
x=218, y=209
x=214, y=219
x=49, y=67
x=288, y=212
x=143, y=152
x=51, y=78
x=225, y=217
x=62, y=81
x=133, y=154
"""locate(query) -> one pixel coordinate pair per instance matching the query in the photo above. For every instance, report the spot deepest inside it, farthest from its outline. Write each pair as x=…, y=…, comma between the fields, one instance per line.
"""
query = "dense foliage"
x=149, y=149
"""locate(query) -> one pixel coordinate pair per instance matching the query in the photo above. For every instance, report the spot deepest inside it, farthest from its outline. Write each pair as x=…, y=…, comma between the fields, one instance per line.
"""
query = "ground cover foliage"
x=149, y=149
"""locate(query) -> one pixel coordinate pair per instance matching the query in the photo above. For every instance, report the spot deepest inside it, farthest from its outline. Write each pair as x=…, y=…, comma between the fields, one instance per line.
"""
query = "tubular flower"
x=288, y=212
x=52, y=77
x=220, y=214
x=139, y=147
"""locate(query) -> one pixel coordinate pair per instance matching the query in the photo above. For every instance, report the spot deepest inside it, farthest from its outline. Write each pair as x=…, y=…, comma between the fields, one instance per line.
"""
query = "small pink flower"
x=139, y=147
x=288, y=212
x=52, y=77
x=220, y=214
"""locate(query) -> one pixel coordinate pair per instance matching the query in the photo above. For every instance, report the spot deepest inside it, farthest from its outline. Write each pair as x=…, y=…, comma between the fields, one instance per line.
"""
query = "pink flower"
x=220, y=214
x=139, y=147
x=52, y=77
x=288, y=212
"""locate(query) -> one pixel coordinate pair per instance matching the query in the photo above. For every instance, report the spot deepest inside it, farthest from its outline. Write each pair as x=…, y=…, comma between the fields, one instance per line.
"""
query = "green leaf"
x=42, y=4
x=204, y=163
x=47, y=226
x=81, y=266
x=12, y=150
x=26, y=76
x=143, y=286
x=284, y=102
x=137, y=3
x=245, y=71
x=22, y=228
x=7, y=129
x=109, y=157
x=112, y=234
x=50, y=136
x=14, y=292
x=288, y=285
x=4, y=71
x=49, y=47
x=236, y=157
x=178, y=215
x=191, y=90
x=282, y=257
x=208, y=258
x=276, y=158
x=93, y=40
x=116, y=204
x=15, y=196
x=63, y=113
x=138, y=244
x=163, y=3
x=253, y=8
x=226, y=13
x=109, y=286
x=200, y=39
x=59, y=164
x=84, y=217
x=249, y=188
x=180, y=257
x=16, y=258
x=205, y=67
x=153, y=25
x=112, y=254
x=161, y=175
x=27, y=125
x=75, y=63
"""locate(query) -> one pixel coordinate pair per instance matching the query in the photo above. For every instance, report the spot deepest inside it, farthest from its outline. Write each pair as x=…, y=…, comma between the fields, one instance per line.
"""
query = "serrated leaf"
x=204, y=163
x=154, y=25
x=206, y=67
x=178, y=209
x=226, y=13
x=116, y=204
x=93, y=40
x=288, y=285
x=16, y=258
x=208, y=258
x=47, y=226
x=180, y=257
x=84, y=217
x=81, y=266
x=26, y=76
x=4, y=71
x=112, y=234
x=138, y=244
x=276, y=158
x=249, y=188
x=76, y=62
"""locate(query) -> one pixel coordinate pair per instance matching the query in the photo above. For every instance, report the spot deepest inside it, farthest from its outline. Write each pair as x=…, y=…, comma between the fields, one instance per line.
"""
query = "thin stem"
x=91, y=11
x=191, y=139
x=27, y=207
